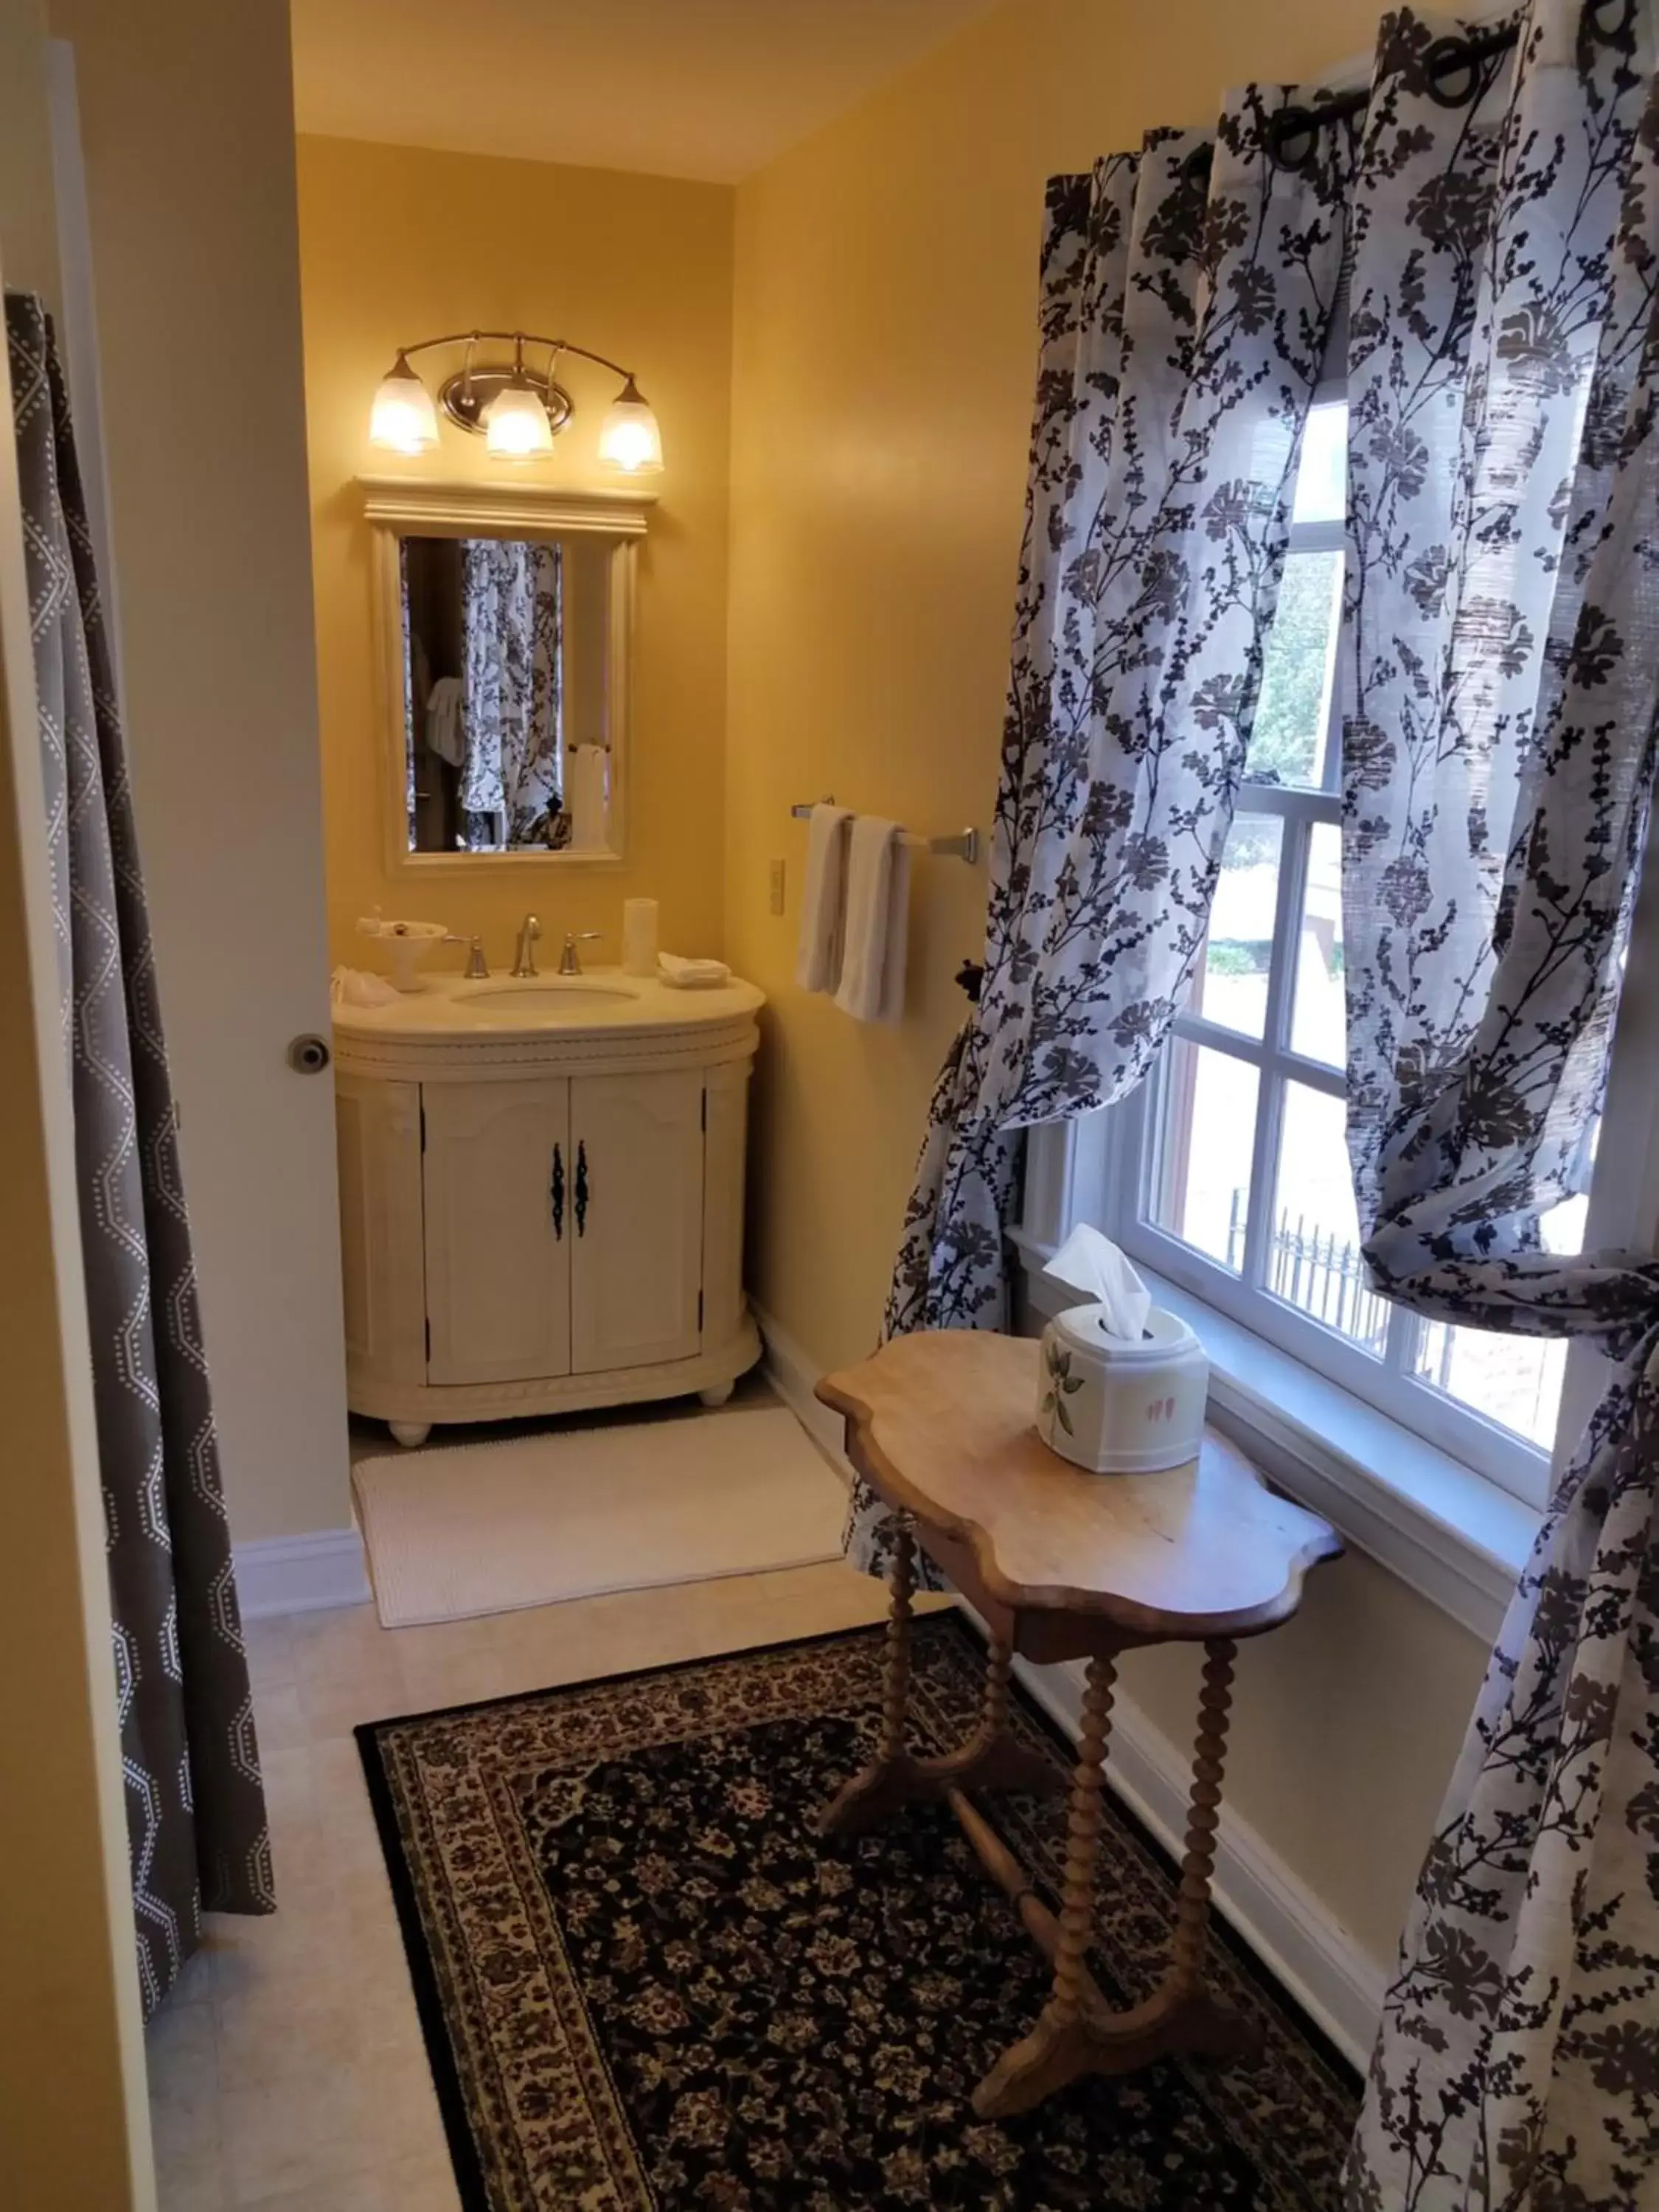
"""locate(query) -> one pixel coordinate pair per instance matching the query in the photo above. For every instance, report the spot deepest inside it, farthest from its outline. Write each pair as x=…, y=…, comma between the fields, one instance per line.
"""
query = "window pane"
x=1513, y=1380
x=1287, y=741
x=1201, y=1182
x=1230, y=985
x=1322, y=483
x=1319, y=1015
x=1313, y=1252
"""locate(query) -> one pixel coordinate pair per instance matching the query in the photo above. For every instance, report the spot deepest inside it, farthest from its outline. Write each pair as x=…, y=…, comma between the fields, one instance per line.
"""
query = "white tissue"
x=1091, y=1263
x=357, y=987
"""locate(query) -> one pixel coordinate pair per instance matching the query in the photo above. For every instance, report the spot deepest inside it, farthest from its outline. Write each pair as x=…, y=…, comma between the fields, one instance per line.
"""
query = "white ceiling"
x=711, y=88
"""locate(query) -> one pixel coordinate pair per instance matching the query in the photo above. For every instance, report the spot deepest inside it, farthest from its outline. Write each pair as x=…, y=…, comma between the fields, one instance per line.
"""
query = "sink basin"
x=547, y=997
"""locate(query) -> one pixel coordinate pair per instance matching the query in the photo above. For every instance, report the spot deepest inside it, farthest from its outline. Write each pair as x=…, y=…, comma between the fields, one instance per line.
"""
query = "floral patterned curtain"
x=1186, y=295
x=512, y=659
x=196, y=1815
x=1501, y=672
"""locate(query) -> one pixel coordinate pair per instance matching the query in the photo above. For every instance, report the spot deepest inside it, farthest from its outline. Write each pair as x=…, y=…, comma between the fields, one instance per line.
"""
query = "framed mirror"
x=505, y=619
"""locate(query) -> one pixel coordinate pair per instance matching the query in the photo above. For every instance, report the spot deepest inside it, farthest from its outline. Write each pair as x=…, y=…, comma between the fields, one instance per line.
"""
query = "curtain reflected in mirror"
x=505, y=690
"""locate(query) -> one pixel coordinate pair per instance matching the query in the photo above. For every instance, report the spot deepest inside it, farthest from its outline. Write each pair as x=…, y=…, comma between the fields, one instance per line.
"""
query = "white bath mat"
x=478, y=1529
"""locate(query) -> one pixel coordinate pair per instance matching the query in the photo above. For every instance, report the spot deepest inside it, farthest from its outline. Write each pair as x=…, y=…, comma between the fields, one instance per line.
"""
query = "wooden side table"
x=1063, y=1565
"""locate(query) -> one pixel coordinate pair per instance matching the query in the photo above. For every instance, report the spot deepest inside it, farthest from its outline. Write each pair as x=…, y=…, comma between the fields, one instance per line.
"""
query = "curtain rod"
x=1450, y=57
x=1447, y=57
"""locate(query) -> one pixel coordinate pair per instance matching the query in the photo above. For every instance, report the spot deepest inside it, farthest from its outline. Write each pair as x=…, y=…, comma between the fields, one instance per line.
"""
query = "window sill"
x=1453, y=1535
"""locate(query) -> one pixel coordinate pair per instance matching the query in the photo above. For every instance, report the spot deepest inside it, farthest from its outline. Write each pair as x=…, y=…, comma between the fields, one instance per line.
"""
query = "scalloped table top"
x=943, y=1424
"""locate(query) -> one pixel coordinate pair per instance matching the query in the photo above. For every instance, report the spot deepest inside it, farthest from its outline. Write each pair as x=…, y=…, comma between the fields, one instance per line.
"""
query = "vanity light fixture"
x=404, y=420
x=516, y=423
x=518, y=409
x=629, y=437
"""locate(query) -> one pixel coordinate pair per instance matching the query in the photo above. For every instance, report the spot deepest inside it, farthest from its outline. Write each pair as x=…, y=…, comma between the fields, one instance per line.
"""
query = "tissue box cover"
x=1121, y=1408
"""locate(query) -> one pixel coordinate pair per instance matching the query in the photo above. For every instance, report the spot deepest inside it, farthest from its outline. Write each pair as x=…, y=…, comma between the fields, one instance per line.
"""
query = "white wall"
x=187, y=126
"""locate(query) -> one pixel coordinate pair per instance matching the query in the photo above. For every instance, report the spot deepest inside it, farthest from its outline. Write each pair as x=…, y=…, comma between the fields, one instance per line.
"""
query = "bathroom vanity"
x=541, y=1196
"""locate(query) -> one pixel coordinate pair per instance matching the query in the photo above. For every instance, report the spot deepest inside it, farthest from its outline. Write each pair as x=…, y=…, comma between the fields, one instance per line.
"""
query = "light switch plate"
x=775, y=887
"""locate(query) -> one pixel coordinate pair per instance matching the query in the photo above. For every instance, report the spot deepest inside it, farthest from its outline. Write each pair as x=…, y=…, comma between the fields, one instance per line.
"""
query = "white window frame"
x=1472, y=1492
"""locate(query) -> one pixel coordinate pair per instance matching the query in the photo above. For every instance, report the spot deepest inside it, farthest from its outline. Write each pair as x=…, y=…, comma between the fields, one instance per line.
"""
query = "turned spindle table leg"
x=1077, y=2032
x=1059, y=2047
x=1198, y=1866
x=992, y=1758
x=881, y=1788
x=1195, y=2016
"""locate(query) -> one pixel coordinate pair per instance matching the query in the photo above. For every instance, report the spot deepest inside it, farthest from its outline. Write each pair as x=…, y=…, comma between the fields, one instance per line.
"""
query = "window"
x=1230, y=1170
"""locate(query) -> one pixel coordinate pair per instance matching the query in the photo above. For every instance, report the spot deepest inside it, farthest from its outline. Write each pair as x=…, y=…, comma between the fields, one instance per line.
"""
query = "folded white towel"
x=360, y=986
x=444, y=735
x=681, y=974
x=872, y=986
x=823, y=900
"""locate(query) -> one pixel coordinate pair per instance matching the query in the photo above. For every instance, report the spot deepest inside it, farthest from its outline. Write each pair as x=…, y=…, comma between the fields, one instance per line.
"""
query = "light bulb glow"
x=630, y=439
x=515, y=423
x=402, y=419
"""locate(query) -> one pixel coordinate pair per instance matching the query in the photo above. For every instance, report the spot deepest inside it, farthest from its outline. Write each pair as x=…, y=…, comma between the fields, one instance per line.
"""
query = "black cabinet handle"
x=581, y=1189
x=557, y=1193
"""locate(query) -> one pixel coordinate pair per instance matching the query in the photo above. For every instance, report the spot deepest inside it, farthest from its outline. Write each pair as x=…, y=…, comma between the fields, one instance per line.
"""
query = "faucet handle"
x=570, y=963
x=477, y=967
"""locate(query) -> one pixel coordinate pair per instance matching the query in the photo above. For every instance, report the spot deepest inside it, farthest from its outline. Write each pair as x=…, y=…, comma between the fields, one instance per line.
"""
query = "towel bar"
x=963, y=845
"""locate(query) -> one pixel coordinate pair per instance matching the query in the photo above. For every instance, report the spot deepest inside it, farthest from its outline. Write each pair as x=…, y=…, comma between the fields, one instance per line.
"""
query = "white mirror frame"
x=406, y=507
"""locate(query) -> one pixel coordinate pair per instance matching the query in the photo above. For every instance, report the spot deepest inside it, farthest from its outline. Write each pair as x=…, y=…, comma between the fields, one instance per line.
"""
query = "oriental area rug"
x=647, y=1985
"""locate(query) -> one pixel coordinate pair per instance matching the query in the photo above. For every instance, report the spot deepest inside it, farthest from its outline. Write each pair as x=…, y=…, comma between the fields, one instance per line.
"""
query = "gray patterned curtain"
x=1501, y=679
x=195, y=1806
x=1185, y=298
x=512, y=660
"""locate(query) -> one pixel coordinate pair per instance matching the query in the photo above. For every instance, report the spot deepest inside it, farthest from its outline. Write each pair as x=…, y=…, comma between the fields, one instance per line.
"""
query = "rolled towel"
x=446, y=734
x=871, y=987
x=823, y=900
x=681, y=974
x=587, y=798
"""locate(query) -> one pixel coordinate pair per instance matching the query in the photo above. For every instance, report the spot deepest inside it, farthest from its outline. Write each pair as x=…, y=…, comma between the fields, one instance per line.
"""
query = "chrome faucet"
x=570, y=961
x=524, y=956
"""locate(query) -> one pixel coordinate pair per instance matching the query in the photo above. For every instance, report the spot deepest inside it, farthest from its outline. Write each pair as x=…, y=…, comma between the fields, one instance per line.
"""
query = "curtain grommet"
x=1606, y=34
x=1455, y=58
x=1285, y=128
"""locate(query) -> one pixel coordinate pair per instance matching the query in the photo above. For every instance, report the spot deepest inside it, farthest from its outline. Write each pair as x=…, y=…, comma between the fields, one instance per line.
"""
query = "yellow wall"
x=398, y=244
x=74, y=2127
x=882, y=389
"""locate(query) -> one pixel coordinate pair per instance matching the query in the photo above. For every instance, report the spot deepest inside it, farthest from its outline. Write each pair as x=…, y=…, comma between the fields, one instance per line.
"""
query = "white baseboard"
x=301, y=1574
x=795, y=1377
x=1301, y=1944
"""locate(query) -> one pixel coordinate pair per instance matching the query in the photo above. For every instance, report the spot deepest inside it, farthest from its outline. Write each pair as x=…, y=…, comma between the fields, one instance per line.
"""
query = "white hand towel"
x=878, y=922
x=683, y=974
x=823, y=900
x=444, y=734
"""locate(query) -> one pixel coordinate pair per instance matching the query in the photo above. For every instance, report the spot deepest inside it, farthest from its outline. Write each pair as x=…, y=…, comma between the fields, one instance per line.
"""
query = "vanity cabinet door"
x=636, y=1260
x=498, y=1230
x=383, y=1264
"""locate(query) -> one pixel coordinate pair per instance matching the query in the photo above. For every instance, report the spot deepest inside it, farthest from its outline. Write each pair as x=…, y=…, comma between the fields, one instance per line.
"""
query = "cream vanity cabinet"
x=545, y=1216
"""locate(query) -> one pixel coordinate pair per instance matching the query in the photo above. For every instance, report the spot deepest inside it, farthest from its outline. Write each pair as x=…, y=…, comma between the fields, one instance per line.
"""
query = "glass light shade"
x=629, y=437
x=516, y=427
x=402, y=419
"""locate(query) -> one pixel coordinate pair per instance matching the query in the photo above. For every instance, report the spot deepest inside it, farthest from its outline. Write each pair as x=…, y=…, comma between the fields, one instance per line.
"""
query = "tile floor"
x=287, y=2071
